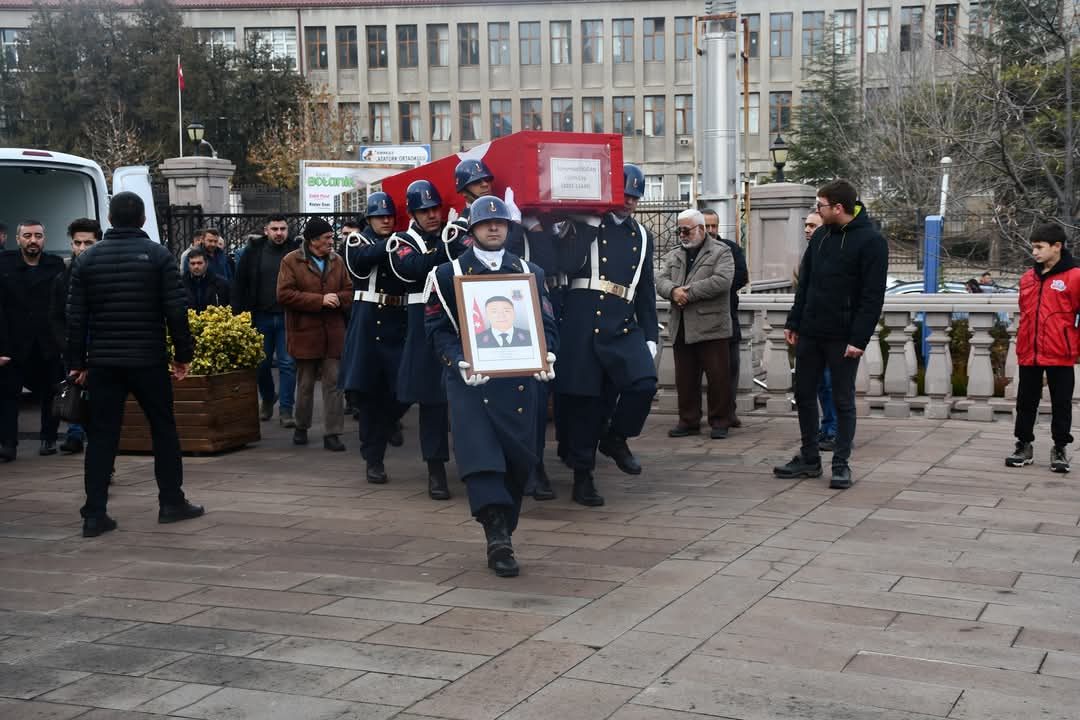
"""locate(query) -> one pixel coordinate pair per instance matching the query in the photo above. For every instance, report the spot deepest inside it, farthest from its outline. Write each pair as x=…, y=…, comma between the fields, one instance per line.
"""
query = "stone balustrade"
x=886, y=382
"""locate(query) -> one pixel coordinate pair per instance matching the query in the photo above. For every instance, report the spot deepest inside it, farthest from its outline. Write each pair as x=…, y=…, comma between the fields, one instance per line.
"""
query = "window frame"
x=655, y=116
x=618, y=110
x=622, y=41
x=779, y=112
x=592, y=108
x=410, y=58
x=441, y=120
x=505, y=113
x=438, y=44
x=915, y=27
x=532, y=113
x=385, y=122
x=474, y=130
x=377, y=47
x=468, y=44
x=561, y=44
x=653, y=48
x=684, y=115
x=846, y=34
x=753, y=28
x=348, y=51
x=561, y=109
x=498, y=44
x=592, y=43
x=684, y=39
x=530, y=48
x=780, y=37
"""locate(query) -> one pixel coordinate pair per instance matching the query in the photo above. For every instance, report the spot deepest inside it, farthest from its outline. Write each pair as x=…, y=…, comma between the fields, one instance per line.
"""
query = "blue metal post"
x=931, y=266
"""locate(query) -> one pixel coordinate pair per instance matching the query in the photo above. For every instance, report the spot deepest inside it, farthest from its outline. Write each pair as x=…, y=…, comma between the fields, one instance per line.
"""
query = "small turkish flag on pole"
x=179, y=73
x=477, y=318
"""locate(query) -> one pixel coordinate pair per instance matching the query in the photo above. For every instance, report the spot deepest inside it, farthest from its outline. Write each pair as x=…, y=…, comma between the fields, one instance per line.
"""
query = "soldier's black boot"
x=543, y=490
x=436, y=481
x=615, y=447
x=500, y=552
x=585, y=491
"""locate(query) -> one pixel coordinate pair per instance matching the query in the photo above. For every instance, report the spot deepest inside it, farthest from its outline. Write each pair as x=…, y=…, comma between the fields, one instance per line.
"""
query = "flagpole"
x=179, y=107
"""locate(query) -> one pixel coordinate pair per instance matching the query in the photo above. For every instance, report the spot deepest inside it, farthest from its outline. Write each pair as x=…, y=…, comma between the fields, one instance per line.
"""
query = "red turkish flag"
x=179, y=73
x=477, y=318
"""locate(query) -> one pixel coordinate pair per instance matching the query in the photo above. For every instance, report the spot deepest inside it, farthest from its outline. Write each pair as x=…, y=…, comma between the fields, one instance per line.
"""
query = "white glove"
x=515, y=211
x=474, y=380
x=452, y=216
x=593, y=220
x=652, y=348
x=530, y=223
x=549, y=374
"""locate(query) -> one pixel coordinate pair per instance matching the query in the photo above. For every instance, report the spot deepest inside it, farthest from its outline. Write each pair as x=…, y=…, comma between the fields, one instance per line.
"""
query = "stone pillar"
x=745, y=392
x=938, y=381
x=896, y=375
x=1012, y=367
x=777, y=213
x=777, y=365
x=980, y=372
x=199, y=181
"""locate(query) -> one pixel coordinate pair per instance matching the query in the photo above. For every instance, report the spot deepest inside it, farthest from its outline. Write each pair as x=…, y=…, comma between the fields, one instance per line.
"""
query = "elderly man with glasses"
x=696, y=277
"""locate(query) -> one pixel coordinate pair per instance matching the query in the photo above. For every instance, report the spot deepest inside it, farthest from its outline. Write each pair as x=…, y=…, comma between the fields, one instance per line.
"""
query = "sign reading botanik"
x=552, y=173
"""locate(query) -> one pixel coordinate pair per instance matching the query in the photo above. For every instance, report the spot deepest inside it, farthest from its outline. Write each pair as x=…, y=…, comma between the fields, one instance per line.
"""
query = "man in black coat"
x=202, y=285
x=26, y=279
x=125, y=292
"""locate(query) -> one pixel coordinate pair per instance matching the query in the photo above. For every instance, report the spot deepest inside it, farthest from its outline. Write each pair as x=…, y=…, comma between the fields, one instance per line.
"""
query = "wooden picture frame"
x=500, y=323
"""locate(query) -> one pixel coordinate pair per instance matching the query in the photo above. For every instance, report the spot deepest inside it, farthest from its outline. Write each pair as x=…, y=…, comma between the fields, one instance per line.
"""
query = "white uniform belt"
x=379, y=298
x=604, y=286
x=419, y=298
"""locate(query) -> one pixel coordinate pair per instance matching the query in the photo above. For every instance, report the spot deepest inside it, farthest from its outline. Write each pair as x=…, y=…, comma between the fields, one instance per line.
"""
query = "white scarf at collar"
x=492, y=259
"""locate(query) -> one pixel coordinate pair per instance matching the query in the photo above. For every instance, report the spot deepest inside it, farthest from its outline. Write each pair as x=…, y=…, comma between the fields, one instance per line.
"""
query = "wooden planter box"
x=213, y=413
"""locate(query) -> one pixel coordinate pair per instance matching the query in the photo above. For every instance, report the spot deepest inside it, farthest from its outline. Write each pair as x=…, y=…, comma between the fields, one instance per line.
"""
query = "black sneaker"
x=376, y=473
x=1023, y=455
x=841, y=478
x=1059, y=461
x=71, y=446
x=299, y=437
x=799, y=468
x=683, y=431
x=92, y=527
x=333, y=443
x=615, y=447
x=176, y=513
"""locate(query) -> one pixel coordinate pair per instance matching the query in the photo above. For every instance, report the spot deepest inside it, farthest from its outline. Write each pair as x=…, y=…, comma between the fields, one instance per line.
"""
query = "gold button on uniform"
x=521, y=410
x=376, y=337
x=625, y=330
x=378, y=322
x=596, y=331
x=634, y=249
x=521, y=388
x=603, y=259
x=603, y=278
x=598, y=313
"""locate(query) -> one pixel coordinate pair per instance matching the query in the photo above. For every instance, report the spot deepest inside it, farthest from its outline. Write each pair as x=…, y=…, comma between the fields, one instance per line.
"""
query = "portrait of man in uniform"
x=501, y=331
x=498, y=323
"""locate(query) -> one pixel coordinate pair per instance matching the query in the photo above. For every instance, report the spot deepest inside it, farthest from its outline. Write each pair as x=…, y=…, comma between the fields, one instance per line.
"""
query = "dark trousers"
x=435, y=432
x=586, y=418
x=691, y=359
x=541, y=420
x=828, y=411
x=1060, y=380
x=812, y=356
x=38, y=373
x=379, y=416
x=495, y=488
x=107, y=389
x=734, y=361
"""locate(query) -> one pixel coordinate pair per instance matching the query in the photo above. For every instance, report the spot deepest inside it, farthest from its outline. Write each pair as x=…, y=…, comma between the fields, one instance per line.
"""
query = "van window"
x=53, y=196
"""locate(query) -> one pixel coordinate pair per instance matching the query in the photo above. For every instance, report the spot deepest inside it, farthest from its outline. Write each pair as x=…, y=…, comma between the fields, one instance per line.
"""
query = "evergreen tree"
x=828, y=116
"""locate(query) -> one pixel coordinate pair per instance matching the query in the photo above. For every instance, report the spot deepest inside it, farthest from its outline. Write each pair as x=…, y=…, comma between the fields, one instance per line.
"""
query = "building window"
x=468, y=35
x=470, y=119
x=779, y=112
x=655, y=109
x=844, y=36
x=592, y=114
x=529, y=41
x=945, y=25
x=980, y=20
x=780, y=34
x=408, y=51
x=351, y=122
x=592, y=42
x=376, y=46
x=498, y=43
x=347, y=57
x=562, y=114
x=877, y=30
x=654, y=39
x=685, y=187
x=753, y=26
x=440, y=120
x=813, y=32
x=217, y=40
x=911, y=28
x=622, y=41
x=754, y=106
x=409, y=116
x=380, y=122
x=684, y=114
x=281, y=42
x=654, y=188
x=317, y=56
x=532, y=110
x=502, y=122
x=622, y=115
x=438, y=45
x=560, y=42
x=684, y=38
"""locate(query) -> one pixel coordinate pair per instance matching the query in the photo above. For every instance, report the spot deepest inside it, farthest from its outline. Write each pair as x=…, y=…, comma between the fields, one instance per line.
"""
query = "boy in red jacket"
x=1047, y=341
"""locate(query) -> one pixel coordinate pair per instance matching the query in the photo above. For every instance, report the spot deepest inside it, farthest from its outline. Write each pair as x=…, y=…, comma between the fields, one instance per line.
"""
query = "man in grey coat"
x=696, y=277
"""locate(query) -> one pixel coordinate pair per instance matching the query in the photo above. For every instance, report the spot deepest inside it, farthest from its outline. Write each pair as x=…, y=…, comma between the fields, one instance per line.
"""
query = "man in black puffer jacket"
x=124, y=292
x=837, y=304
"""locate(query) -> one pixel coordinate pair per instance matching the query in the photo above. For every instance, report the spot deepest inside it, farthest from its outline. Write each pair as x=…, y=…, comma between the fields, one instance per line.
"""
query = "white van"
x=56, y=188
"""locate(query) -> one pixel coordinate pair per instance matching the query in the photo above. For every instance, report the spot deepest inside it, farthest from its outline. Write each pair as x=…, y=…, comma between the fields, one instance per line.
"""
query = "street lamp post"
x=779, y=152
x=196, y=134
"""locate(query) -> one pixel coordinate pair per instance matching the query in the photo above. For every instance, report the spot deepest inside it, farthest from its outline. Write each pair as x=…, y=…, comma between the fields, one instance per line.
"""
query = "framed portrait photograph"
x=502, y=333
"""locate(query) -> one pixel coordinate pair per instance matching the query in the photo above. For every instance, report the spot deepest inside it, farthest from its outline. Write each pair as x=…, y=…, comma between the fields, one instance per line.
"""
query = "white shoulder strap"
x=438, y=291
x=641, y=261
x=418, y=238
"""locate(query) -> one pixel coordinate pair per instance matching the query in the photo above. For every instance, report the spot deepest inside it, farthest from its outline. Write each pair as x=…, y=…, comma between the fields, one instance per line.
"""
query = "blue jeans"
x=75, y=431
x=272, y=327
x=828, y=410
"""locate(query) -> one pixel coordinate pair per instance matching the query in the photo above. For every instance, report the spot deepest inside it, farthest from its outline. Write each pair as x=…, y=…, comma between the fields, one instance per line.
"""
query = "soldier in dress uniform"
x=413, y=254
x=610, y=333
x=494, y=418
x=527, y=239
x=375, y=340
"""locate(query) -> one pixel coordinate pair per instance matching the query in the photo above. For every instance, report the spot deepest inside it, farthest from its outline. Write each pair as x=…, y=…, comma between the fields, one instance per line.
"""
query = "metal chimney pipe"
x=719, y=138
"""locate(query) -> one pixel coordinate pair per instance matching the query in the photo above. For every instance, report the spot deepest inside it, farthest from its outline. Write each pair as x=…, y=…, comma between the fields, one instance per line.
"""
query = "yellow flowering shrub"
x=223, y=342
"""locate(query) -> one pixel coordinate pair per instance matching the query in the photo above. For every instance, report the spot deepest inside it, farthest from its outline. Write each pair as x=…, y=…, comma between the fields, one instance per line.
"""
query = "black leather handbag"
x=69, y=403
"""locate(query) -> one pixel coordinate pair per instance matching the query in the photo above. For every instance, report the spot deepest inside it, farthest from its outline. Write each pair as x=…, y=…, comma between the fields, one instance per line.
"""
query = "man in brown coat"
x=315, y=290
x=696, y=278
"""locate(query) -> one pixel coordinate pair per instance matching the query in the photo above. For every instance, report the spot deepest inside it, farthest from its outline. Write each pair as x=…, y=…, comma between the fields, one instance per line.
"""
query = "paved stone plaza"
x=941, y=585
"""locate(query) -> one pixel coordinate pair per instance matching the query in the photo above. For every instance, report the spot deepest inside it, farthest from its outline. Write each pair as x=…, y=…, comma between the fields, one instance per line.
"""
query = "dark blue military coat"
x=603, y=334
x=494, y=422
x=420, y=377
x=376, y=336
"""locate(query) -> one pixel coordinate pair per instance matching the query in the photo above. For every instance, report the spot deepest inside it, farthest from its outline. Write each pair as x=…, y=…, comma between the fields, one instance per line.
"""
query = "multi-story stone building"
x=453, y=74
